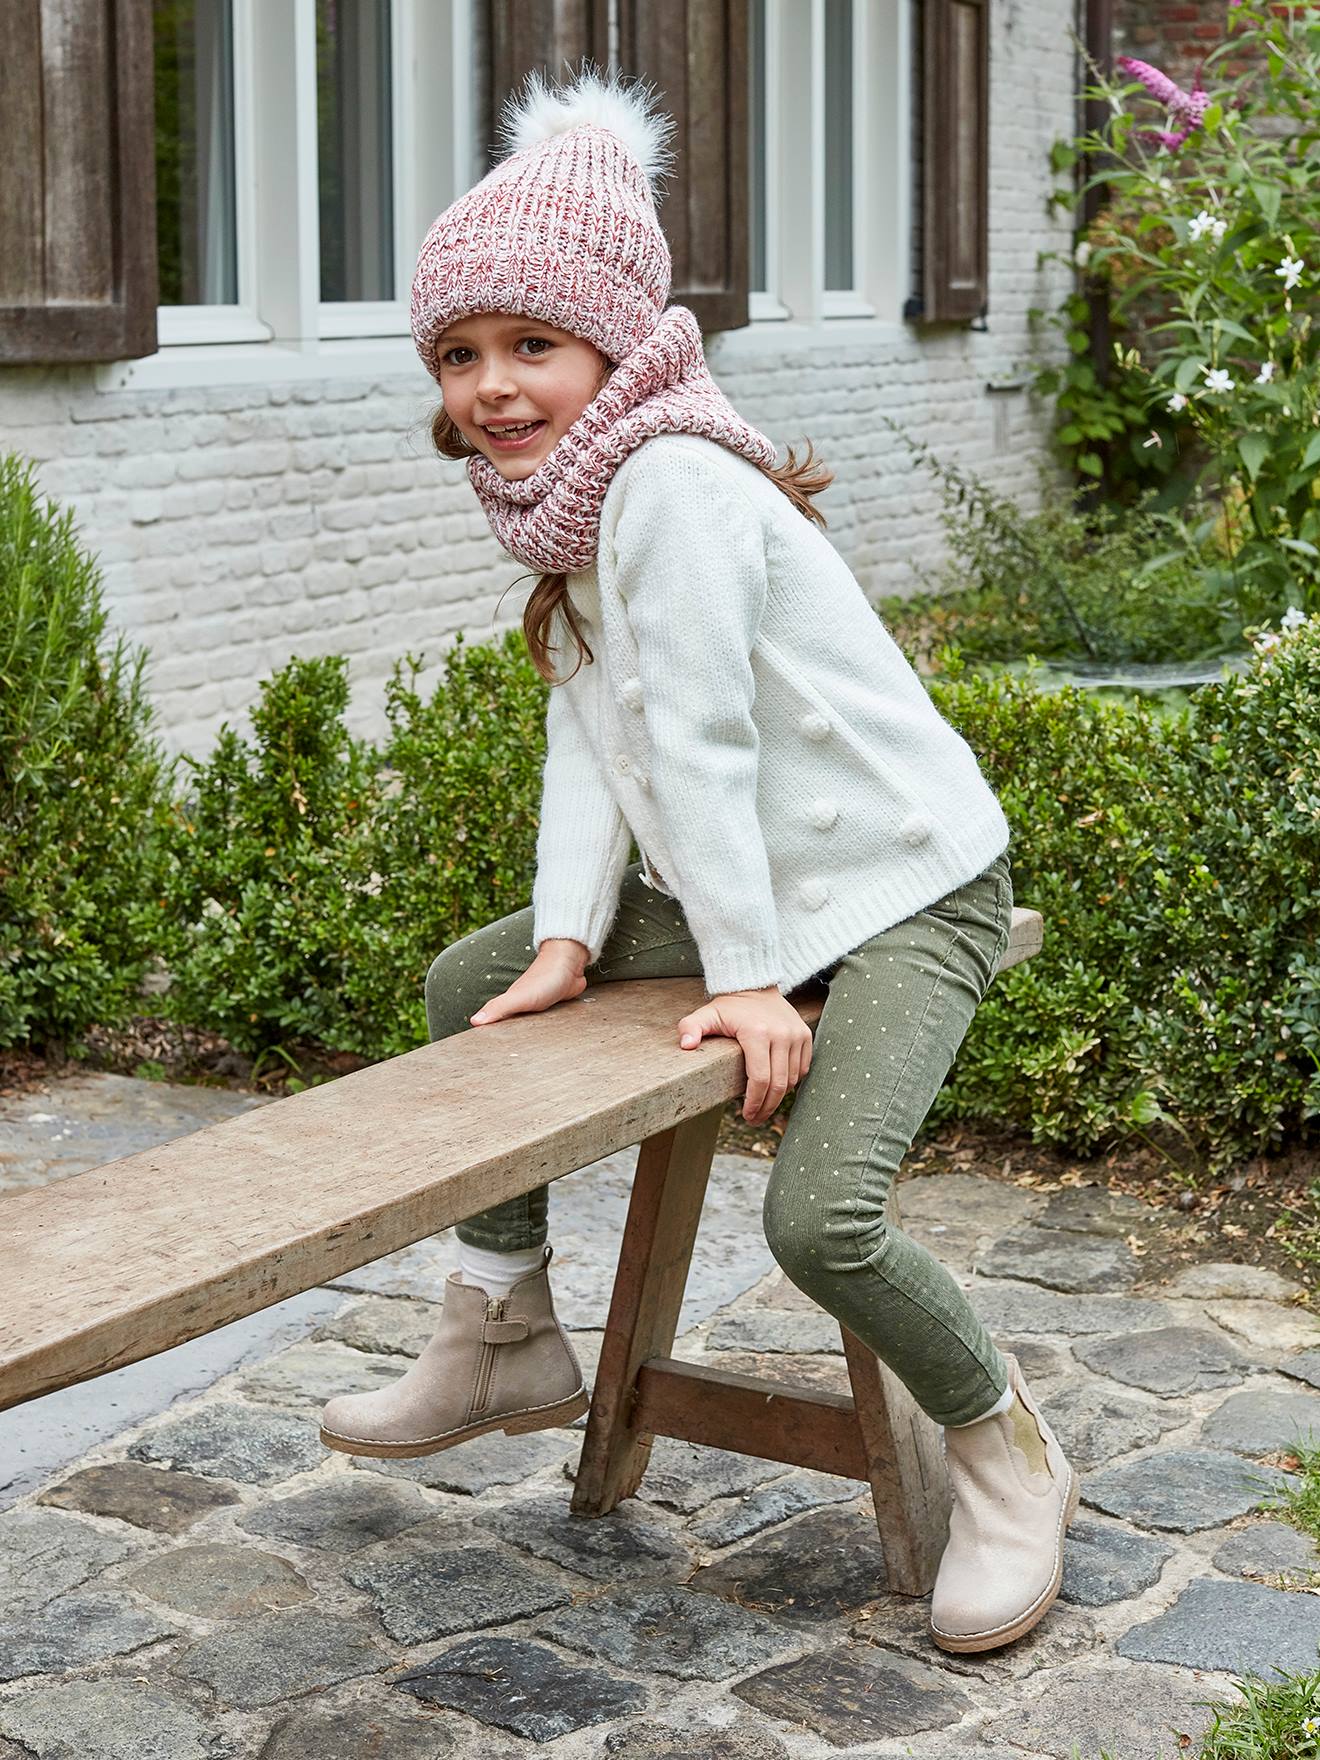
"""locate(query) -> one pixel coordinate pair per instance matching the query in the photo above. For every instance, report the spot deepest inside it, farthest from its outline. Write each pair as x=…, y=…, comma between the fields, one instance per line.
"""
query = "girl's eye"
x=459, y=348
x=538, y=343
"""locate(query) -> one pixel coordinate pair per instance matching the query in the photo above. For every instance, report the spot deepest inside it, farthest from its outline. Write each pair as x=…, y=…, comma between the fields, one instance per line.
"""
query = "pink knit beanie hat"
x=563, y=228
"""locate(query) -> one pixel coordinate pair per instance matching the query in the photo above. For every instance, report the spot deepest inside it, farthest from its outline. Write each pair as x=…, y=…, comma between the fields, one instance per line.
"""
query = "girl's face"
x=512, y=386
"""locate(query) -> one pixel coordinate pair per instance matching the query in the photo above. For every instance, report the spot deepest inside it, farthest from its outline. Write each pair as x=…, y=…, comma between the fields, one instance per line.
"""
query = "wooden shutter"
x=551, y=35
x=695, y=53
x=77, y=181
x=955, y=186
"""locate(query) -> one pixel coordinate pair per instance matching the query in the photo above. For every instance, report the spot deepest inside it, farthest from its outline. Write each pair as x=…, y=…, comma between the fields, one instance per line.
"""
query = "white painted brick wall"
x=238, y=525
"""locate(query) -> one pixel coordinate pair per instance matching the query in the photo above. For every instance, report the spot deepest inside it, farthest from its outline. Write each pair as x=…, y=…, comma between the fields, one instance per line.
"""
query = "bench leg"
x=668, y=1191
x=909, y=1483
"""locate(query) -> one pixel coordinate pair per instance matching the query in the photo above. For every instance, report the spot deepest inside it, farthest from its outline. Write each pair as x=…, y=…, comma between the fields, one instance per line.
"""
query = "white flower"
x=1290, y=620
x=1217, y=379
x=1082, y=255
x=1205, y=222
x=1265, y=374
x=1289, y=272
x=1177, y=402
x=1265, y=641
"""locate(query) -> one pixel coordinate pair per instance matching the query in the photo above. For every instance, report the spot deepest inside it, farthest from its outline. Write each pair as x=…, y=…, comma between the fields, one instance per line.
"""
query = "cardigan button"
x=814, y=726
x=622, y=764
x=630, y=693
x=824, y=812
x=813, y=894
x=916, y=828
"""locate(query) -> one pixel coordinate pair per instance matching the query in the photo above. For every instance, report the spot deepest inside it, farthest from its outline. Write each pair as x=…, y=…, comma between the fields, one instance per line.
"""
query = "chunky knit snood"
x=550, y=521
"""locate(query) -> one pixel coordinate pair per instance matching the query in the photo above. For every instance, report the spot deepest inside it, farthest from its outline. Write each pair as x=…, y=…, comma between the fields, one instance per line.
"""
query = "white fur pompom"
x=627, y=109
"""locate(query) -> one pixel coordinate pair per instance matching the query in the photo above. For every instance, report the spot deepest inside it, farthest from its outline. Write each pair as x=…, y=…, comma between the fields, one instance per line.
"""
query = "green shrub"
x=1174, y=862
x=83, y=785
x=457, y=831
x=272, y=867
x=316, y=878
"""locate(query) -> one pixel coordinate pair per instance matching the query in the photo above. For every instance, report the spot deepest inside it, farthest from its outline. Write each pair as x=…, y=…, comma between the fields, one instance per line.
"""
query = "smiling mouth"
x=513, y=435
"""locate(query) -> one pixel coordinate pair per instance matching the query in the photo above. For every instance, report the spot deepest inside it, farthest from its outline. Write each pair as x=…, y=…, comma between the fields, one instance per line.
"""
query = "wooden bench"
x=108, y=1267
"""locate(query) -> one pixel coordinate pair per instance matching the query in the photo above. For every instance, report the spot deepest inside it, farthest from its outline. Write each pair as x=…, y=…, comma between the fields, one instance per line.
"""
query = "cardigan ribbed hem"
x=855, y=914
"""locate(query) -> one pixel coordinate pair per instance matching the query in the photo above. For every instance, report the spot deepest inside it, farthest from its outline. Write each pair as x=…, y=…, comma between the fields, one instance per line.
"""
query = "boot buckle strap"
x=503, y=1331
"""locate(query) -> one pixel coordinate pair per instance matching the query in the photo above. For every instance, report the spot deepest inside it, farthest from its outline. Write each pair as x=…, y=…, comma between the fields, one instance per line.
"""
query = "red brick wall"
x=1175, y=34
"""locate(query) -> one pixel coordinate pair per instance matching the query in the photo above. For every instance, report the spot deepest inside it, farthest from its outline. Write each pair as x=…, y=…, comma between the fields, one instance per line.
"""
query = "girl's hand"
x=775, y=1040
x=555, y=975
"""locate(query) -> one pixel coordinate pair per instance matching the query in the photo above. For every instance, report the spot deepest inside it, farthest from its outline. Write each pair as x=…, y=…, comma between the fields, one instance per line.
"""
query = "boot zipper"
x=494, y=1311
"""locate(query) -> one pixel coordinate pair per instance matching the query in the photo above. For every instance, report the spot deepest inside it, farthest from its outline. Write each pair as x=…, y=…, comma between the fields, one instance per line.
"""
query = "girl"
x=801, y=808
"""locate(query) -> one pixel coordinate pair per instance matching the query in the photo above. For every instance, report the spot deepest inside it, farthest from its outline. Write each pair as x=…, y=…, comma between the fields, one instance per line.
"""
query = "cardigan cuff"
x=741, y=968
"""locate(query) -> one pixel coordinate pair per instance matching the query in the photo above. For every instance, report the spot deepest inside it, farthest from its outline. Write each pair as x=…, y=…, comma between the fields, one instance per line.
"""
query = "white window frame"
x=280, y=327
x=795, y=171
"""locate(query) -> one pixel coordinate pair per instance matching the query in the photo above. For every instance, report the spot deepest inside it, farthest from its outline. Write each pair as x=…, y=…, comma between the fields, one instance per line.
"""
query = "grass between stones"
x=1299, y=1504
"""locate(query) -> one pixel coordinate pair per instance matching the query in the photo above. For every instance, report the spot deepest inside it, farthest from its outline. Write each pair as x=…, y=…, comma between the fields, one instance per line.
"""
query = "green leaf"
x=1230, y=328
x=1189, y=369
x=1254, y=449
x=1268, y=196
x=1312, y=454
x=1091, y=464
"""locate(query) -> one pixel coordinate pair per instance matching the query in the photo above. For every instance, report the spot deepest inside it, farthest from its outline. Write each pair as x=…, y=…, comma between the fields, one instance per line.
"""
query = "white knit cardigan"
x=752, y=723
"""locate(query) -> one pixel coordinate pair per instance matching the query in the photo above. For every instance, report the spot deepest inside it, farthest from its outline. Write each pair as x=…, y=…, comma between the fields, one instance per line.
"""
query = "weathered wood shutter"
x=78, y=181
x=695, y=53
x=955, y=171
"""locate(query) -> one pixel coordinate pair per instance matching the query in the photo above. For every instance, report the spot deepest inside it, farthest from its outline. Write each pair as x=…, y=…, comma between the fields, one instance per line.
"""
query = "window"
x=830, y=157
x=302, y=149
x=196, y=225
x=355, y=149
x=838, y=125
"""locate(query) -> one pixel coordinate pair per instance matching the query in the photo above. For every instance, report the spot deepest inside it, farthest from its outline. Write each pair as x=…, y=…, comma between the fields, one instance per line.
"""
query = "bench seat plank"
x=110, y=1266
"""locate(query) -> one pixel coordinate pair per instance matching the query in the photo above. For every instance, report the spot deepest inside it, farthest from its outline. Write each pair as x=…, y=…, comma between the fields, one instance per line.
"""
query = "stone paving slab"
x=255, y=1597
x=83, y=1121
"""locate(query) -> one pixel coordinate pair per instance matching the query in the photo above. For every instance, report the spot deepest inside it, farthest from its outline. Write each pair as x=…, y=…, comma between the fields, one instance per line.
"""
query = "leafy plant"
x=83, y=784
x=1065, y=582
x=1208, y=245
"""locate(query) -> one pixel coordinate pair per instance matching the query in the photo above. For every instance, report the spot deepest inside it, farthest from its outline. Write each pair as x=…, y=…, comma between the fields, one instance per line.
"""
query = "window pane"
x=757, y=146
x=838, y=146
x=195, y=215
x=355, y=165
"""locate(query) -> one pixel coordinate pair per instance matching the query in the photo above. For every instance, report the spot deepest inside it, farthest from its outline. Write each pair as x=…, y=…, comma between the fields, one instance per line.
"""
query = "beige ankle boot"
x=1001, y=1569
x=501, y=1364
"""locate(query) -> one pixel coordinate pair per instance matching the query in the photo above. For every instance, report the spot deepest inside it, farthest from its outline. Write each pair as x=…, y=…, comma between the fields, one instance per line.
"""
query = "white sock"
x=497, y=1272
x=1002, y=1404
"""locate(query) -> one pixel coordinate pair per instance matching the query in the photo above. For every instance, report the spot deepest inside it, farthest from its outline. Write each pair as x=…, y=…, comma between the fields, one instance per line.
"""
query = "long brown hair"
x=800, y=479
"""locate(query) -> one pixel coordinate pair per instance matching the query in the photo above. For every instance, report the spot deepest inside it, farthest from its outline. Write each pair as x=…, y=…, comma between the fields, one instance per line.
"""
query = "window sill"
x=826, y=333
x=267, y=363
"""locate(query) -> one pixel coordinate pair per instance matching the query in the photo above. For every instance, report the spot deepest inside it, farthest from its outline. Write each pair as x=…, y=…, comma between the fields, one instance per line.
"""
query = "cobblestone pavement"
x=211, y=1584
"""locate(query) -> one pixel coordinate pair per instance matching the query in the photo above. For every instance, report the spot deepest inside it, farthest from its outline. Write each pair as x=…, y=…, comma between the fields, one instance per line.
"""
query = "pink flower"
x=1186, y=109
